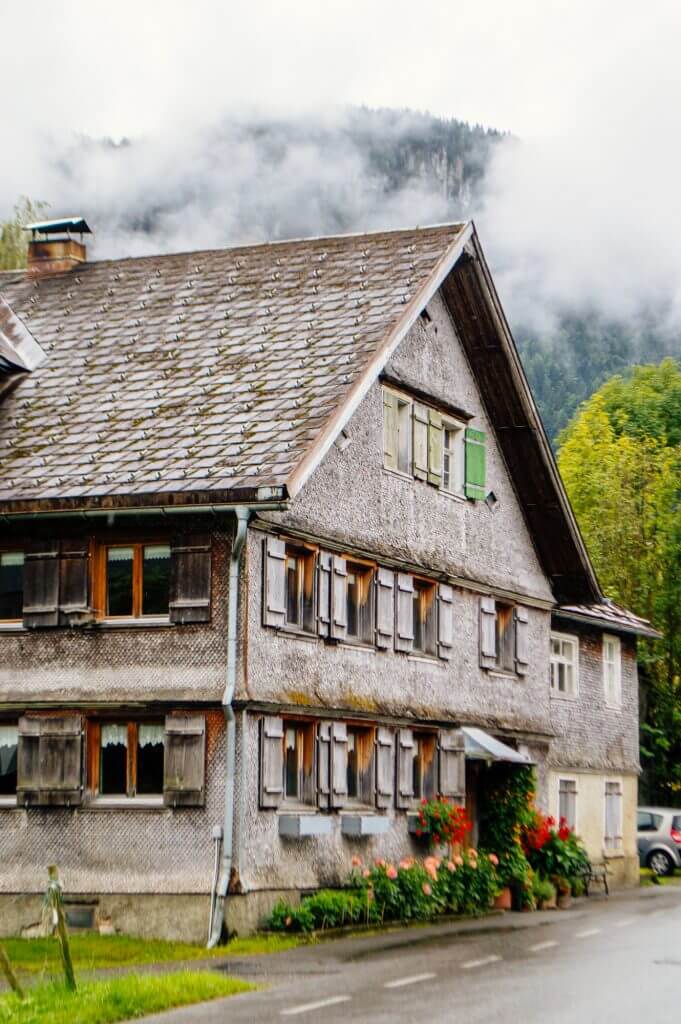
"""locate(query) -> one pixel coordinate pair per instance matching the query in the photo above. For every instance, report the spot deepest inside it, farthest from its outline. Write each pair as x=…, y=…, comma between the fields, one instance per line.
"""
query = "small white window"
x=453, y=457
x=564, y=665
x=613, y=816
x=567, y=802
x=612, y=671
x=397, y=432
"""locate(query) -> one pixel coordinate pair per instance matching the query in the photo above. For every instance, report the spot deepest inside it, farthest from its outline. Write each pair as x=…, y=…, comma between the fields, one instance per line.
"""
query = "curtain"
x=150, y=734
x=113, y=735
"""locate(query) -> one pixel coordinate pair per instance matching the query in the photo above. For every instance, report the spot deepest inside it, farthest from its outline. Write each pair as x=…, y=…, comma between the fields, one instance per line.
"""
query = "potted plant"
x=545, y=893
x=564, y=892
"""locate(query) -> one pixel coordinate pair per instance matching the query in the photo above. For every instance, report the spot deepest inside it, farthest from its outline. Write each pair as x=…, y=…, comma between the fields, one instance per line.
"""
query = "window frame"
x=366, y=569
x=423, y=585
x=100, y=589
x=572, y=779
x=618, y=847
x=307, y=555
x=10, y=799
x=420, y=735
x=616, y=703
x=307, y=776
x=366, y=774
x=562, y=638
x=14, y=623
x=505, y=651
x=402, y=402
x=459, y=453
x=93, y=729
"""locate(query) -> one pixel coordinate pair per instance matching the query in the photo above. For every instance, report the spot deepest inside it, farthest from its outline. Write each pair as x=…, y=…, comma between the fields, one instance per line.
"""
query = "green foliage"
x=92, y=952
x=442, y=822
x=328, y=908
x=13, y=240
x=543, y=890
x=506, y=806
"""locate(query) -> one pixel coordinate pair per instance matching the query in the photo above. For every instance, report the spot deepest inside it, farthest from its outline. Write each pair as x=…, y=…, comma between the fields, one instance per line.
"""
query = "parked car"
x=659, y=839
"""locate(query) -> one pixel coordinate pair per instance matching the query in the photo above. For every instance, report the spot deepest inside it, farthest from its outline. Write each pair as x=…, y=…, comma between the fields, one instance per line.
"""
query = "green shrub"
x=543, y=890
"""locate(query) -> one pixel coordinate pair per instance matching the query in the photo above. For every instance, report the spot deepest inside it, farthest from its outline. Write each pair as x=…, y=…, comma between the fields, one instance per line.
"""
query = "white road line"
x=408, y=981
x=625, y=923
x=480, y=963
x=588, y=933
x=307, y=1007
x=543, y=945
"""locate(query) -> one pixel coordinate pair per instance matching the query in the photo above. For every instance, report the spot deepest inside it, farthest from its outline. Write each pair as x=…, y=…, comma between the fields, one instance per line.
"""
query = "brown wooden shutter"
x=420, y=428
x=323, y=593
x=385, y=607
x=274, y=582
x=324, y=765
x=434, y=447
x=49, y=761
x=452, y=765
x=389, y=429
x=488, y=633
x=190, y=583
x=521, y=620
x=185, y=761
x=74, y=583
x=339, y=599
x=339, y=764
x=41, y=584
x=271, y=761
x=405, y=776
x=445, y=620
x=404, y=637
x=385, y=767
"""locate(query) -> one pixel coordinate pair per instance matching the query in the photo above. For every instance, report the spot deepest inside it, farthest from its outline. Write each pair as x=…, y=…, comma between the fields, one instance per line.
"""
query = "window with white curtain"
x=130, y=758
x=567, y=802
x=564, y=665
x=613, y=816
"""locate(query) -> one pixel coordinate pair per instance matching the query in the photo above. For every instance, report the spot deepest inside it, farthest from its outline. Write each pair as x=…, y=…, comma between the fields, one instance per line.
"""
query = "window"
x=425, y=616
x=300, y=578
x=299, y=781
x=567, y=802
x=127, y=758
x=505, y=637
x=397, y=432
x=612, y=671
x=564, y=665
x=360, y=619
x=360, y=765
x=424, y=766
x=8, y=760
x=136, y=581
x=11, y=585
x=648, y=822
x=453, y=458
x=613, y=816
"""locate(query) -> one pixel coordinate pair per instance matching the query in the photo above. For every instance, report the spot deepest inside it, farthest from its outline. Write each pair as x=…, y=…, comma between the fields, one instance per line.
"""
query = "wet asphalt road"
x=617, y=960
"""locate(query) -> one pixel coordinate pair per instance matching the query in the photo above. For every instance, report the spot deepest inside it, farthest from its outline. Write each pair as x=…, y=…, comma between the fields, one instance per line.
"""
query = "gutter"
x=217, y=912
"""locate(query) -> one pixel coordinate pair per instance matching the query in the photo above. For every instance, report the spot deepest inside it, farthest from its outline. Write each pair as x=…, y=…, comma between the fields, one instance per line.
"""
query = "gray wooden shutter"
x=190, y=579
x=271, y=761
x=324, y=765
x=385, y=767
x=385, y=607
x=476, y=459
x=389, y=429
x=420, y=428
x=445, y=620
x=452, y=765
x=521, y=640
x=404, y=638
x=274, y=582
x=184, y=761
x=405, y=776
x=339, y=764
x=434, y=447
x=49, y=761
x=41, y=584
x=488, y=633
x=323, y=593
x=74, y=582
x=339, y=599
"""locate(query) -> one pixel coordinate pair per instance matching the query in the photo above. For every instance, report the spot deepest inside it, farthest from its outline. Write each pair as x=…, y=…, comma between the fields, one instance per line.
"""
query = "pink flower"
x=458, y=860
x=427, y=891
x=366, y=873
x=494, y=859
x=356, y=861
x=451, y=866
x=391, y=872
x=379, y=862
x=472, y=853
x=406, y=863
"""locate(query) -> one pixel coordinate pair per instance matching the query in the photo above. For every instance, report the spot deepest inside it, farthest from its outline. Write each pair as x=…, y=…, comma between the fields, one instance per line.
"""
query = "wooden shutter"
x=420, y=440
x=323, y=593
x=404, y=639
x=185, y=761
x=271, y=761
x=445, y=620
x=190, y=579
x=521, y=620
x=389, y=429
x=488, y=632
x=475, y=464
x=49, y=761
x=339, y=764
x=324, y=765
x=74, y=579
x=385, y=607
x=339, y=599
x=452, y=765
x=405, y=777
x=274, y=582
x=385, y=767
x=41, y=584
x=434, y=447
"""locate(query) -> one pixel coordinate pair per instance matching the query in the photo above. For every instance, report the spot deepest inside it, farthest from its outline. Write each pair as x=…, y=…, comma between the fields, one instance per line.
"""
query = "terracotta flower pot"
x=564, y=900
x=503, y=900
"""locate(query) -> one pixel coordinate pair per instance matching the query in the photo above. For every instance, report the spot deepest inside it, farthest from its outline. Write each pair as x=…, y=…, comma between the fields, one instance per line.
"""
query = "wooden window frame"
x=366, y=771
x=99, y=588
x=307, y=554
x=13, y=623
x=458, y=454
x=505, y=637
x=404, y=404
x=307, y=763
x=560, y=659
x=424, y=588
x=366, y=569
x=421, y=735
x=93, y=769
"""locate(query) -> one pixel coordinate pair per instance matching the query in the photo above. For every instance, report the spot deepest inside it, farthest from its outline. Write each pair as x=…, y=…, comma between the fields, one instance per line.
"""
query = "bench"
x=595, y=873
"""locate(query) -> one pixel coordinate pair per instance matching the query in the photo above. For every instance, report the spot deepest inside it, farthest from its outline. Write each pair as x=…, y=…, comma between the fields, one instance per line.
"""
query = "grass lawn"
x=103, y=1002
x=649, y=878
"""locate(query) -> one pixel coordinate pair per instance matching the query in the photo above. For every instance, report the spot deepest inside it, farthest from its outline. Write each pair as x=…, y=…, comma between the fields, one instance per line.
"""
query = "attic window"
x=11, y=586
x=397, y=432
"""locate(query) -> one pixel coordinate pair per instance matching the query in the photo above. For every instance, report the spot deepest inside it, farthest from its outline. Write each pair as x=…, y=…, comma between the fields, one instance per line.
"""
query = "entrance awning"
x=480, y=746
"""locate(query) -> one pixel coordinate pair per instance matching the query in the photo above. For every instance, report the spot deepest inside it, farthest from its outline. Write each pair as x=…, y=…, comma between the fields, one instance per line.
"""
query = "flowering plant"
x=442, y=822
x=553, y=851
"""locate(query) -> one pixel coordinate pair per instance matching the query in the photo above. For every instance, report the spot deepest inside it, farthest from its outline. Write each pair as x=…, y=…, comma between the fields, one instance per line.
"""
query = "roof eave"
x=607, y=625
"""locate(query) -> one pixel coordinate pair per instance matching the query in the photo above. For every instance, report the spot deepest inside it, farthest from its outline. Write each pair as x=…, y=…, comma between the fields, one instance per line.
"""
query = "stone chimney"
x=52, y=249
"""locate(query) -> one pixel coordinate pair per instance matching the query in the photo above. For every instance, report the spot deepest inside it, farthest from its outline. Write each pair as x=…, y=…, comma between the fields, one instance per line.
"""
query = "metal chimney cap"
x=53, y=227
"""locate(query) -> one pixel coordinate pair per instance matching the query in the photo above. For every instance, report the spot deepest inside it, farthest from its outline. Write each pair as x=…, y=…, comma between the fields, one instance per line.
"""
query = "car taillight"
x=676, y=835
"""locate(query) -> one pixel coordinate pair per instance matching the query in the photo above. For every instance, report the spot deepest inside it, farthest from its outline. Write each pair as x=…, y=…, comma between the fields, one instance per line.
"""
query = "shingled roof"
x=609, y=614
x=198, y=374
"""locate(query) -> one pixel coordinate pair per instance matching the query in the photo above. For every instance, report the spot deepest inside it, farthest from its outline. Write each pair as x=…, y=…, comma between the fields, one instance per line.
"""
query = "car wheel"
x=660, y=862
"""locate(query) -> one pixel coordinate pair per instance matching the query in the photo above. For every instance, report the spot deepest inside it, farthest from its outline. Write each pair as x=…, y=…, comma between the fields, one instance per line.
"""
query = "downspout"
x=218, y=905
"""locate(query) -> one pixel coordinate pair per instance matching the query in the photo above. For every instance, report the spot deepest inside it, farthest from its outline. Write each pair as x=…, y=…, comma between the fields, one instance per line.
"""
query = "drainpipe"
x=218, y=905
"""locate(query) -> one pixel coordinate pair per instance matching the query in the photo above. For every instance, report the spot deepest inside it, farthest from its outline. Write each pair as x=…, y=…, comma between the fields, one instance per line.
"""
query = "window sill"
x=360, y=645
x=428, y=659
x=398, y=473
x=299, y=634
x=12, y=626
x=8, y=803
x=495, y=673
x=461, y=498
x=613, y=707
x=613, y=854
x=149, y=620
x=564, y=696
x=141, y=803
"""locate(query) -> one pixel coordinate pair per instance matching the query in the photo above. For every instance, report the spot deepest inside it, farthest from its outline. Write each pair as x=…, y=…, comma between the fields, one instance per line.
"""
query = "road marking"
x=306, y=1007
x=480, y=963
x=625, y=923
x=588, y=933
x=543, y=945
x=408, y=981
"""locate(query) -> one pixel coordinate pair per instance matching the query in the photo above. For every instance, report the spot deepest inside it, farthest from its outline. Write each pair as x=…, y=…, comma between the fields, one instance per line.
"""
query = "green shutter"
x=475, y=464
x=434, y=447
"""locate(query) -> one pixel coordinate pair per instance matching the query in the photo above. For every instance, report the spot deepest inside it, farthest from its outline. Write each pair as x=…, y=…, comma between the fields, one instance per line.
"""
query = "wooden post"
x=55, y=902
x=8, y=971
